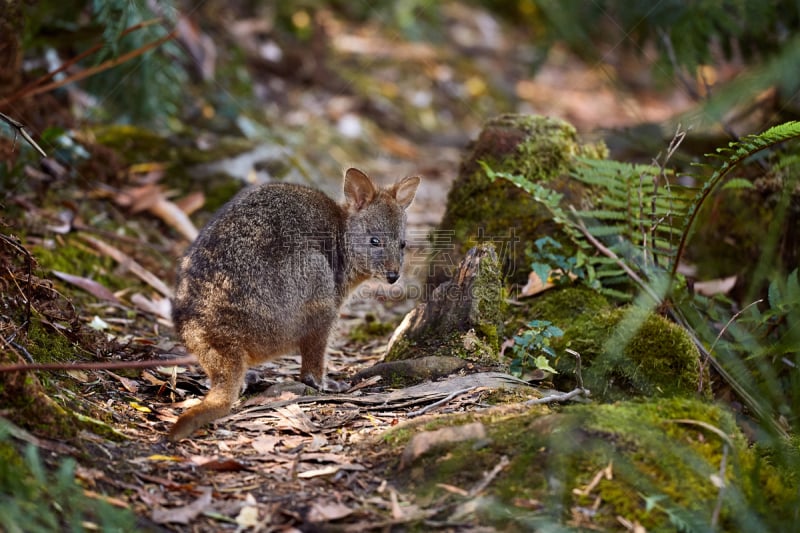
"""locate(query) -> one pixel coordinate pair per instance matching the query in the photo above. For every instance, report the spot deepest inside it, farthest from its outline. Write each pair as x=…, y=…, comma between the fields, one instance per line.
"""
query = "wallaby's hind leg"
x=227, y=377
x=312, y=367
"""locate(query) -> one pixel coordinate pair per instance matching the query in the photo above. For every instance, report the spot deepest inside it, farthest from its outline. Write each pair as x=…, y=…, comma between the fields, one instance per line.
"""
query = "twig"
x=101, y=67
x=721, y=333
x=482, y=484
x=443, y=401
x=562, y=397
x=21, y=130
x=69, y=62
x=609, y=253
x=718, y=507
x=578, y=375
x=108, y=365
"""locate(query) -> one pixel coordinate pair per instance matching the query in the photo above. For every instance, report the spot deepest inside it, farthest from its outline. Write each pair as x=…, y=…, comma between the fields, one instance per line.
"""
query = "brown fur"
x=268, y=274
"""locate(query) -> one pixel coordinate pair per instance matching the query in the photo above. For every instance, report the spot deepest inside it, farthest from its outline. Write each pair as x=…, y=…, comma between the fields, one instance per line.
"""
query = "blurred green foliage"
x=146, y=88
x=35, y=500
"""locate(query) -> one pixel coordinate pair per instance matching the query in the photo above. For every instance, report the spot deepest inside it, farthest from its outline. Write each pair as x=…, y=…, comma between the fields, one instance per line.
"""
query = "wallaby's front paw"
x=326, y=385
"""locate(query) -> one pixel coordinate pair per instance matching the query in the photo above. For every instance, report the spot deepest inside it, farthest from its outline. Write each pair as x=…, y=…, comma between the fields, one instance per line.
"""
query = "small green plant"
x=529, y=345
x=550, y=264
x=35, y=500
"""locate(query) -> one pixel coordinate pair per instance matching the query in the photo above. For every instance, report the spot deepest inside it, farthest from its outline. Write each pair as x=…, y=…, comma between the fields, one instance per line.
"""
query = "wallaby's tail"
x=225, y=388
x=215, y=405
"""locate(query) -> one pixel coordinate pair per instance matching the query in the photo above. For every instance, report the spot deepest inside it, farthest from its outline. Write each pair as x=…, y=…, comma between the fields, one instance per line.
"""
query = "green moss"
x=370, y=329
x=73, y=257
x=625, y=352
x=47, y=346
x=540, y=148
x=139, y=145
x=666, y=451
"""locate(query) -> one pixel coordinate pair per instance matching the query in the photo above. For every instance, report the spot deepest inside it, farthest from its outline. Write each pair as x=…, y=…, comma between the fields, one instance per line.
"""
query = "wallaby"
x=268, y=274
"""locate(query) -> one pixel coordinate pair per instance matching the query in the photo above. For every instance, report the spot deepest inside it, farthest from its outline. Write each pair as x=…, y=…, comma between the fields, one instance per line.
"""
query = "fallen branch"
x=108, y=365
x=21, y=130
x=561, y=397
x=443, y=401
x=26, y=90
x=482, y=484
x=111, y=63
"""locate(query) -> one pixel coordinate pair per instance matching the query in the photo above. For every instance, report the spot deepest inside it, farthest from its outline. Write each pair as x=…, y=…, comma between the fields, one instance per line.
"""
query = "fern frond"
x=733, y=154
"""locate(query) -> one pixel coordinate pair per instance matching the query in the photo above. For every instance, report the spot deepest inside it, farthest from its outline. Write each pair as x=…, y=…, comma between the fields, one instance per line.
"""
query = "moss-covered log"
x=463, y=318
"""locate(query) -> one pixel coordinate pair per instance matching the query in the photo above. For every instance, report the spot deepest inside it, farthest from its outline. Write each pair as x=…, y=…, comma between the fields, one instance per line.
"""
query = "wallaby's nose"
x=392, y=276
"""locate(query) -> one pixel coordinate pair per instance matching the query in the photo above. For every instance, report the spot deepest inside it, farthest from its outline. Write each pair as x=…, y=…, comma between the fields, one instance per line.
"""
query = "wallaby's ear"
x=358, y=189
x=404, y=190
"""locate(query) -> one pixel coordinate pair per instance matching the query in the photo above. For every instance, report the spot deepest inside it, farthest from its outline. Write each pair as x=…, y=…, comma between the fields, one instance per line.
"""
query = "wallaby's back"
x=260, y=260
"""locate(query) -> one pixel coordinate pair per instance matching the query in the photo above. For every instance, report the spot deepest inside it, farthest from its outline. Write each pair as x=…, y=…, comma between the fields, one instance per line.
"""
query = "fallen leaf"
x=265, y=444
x=174, y=216
x=140, y=407
x=248, y=515
x=89, y=285
x=128, y=262
x=535, y=284
x=128, y=384
x=715, y=286
x=327, y=471
x=161, y=307
x=224, y=465
x=453, y=489
x=98, y=324
x=78, y=375
x=325, y=512
x=191, y=202
x=185, y=514
x=295, y=418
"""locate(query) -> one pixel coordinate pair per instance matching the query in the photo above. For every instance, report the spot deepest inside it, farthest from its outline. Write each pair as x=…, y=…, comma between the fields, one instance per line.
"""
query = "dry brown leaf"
x=325, y=512
x=128, y=262
x=174, y=216
x=151, y=197
x=265, y=444
x=89, y=285
x=536, y=285
x=128, y=384
x=317, y=472
x=160, y=307
x=78, y=375
x=295, y=418
x=224, y=465
x=715, y=286
x=191, y=202
x=185, y=514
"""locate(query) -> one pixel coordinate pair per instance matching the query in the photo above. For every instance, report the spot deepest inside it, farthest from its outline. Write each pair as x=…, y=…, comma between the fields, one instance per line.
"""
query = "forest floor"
x=284, y=461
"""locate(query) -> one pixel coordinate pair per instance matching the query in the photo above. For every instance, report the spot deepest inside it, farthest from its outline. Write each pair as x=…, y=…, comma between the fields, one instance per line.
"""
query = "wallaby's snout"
x=392, y=276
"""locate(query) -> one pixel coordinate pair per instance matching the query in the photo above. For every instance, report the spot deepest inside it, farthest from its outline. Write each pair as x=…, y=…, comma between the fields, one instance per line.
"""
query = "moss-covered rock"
x=625, y=352
x=542, y=149
x=660, y=464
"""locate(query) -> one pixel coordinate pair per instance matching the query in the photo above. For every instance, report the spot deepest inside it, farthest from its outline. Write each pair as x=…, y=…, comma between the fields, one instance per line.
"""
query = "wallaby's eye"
x=374, y=241
x=402, y=245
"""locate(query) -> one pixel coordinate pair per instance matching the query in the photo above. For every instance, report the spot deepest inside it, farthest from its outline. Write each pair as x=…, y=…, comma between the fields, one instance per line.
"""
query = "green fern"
x=601, y=271
x=638, y=206
x=733, y=155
